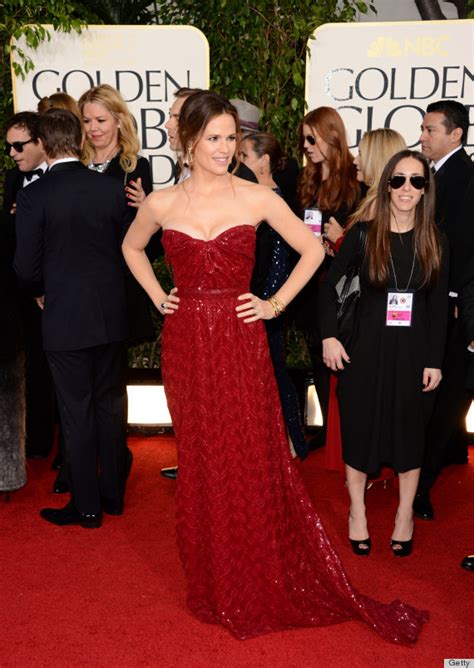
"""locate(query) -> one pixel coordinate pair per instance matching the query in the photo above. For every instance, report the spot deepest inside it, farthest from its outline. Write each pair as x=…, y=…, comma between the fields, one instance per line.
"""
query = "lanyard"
x=395, y=273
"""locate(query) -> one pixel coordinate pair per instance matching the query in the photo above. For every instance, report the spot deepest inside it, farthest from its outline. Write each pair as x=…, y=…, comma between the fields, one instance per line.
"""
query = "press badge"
x=314, y=219
x=399, y=309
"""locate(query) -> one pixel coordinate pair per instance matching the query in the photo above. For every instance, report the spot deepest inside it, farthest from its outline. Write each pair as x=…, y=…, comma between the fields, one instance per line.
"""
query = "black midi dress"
x=383, y=409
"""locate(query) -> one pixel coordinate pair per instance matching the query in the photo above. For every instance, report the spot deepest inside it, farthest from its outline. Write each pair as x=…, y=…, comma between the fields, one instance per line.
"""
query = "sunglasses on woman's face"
x=399, y=180
x=310, y=139
x=17, y=145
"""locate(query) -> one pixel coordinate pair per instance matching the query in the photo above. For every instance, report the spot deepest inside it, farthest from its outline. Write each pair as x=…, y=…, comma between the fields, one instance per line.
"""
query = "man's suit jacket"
x=69, y=229
x=13, y=183
x=452, y=181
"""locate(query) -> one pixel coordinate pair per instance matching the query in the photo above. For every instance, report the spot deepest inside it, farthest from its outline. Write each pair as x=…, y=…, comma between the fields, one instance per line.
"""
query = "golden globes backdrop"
x=385, y=74
x=146, y=63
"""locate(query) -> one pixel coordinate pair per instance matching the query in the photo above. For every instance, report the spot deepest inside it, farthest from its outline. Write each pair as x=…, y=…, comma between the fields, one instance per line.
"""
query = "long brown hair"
x=426, y=238
x=375, y=149
x=341, y=187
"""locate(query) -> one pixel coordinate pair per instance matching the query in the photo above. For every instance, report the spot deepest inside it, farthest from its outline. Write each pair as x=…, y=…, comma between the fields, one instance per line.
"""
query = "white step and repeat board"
x=146, y=63
x=385, y=74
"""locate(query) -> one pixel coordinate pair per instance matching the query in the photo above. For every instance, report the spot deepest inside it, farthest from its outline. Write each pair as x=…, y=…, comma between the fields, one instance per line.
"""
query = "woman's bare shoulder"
x=164, y=198
x=249, y=188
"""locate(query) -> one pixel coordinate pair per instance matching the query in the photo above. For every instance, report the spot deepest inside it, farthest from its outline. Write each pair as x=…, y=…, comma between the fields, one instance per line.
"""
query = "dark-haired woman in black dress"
x=385, y=390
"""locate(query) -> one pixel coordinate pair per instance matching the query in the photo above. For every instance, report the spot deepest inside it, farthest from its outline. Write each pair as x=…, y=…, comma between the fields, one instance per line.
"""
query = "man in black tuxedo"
x=69, y=231
x=444, y=131
x=23, y=146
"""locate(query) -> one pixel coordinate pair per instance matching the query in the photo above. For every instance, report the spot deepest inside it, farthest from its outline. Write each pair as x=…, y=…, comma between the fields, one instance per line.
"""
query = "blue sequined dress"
x=272, y=268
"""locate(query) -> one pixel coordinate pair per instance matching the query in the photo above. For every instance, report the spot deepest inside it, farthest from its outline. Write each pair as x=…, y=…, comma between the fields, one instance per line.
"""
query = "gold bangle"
x=277, y=306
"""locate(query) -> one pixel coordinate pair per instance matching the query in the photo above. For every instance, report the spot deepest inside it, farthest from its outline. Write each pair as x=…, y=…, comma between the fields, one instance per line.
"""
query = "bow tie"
x=34, y=172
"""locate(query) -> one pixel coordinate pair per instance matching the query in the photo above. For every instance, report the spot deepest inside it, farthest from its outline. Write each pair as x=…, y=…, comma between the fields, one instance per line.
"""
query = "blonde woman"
x=375, y=149
x=111, y=142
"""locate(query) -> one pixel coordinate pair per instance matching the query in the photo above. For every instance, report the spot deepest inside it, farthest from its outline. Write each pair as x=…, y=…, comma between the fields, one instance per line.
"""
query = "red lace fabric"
x=254, y=551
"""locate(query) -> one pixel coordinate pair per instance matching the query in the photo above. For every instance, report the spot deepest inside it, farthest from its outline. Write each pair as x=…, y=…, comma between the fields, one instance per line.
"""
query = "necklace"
x=102, y=166
x=395, y=273
x=398, y=228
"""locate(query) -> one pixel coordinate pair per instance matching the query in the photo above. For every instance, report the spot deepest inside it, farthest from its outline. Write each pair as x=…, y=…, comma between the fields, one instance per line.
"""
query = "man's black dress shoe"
x=171, y=472
x=69, y=515
x=468, y=562
x=112, y=507
x=422, y=507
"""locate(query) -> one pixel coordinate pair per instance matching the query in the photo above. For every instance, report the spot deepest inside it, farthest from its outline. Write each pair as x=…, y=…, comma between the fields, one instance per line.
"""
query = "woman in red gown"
x=253, y=548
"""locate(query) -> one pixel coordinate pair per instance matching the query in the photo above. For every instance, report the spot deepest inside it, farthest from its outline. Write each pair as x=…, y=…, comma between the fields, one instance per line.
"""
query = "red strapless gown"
x=254, y=551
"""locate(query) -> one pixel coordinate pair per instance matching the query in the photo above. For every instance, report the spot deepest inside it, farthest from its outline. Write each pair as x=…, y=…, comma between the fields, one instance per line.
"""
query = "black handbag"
x=348, y=295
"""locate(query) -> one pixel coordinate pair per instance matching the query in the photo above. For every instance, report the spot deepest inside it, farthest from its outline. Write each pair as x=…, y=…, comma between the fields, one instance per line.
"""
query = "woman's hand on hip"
x=170, y=303
x=334, y=354
x=254, y=308
x=431, y=379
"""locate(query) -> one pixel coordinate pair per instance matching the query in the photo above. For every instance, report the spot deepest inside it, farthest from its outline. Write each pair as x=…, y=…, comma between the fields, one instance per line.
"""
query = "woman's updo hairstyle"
x=196, y=113
x=264, y=143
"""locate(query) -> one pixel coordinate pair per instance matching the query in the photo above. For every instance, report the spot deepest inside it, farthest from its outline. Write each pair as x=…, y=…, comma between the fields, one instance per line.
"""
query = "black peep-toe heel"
x=402, y=548
x=361, y=551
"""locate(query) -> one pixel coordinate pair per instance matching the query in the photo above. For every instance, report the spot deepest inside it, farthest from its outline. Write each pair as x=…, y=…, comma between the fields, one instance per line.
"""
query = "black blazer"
x=454, y=212
x=142, y=171
x=69, y=229
x=10, y=329
x=13, y=183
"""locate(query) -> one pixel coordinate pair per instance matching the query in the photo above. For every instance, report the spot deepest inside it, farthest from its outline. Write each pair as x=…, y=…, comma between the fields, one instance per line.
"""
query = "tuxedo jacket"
x=13, y=183
x=69, y=229
x=454, y=212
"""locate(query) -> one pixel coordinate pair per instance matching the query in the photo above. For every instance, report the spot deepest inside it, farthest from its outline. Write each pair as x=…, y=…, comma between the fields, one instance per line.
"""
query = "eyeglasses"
x=17, y=145
x=399, y=180
x=310, y=139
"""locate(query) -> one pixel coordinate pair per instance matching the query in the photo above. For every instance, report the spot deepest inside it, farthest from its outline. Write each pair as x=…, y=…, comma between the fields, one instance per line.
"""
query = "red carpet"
x=115, y=596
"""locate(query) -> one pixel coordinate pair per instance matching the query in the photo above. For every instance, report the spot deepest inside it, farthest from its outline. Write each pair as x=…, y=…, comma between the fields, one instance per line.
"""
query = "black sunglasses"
x=17, y=145
x=310, y=139
x=398, y=181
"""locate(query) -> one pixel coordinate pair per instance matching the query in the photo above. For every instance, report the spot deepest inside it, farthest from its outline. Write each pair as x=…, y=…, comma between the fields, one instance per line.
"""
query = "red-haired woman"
x=328, y=190
x=385, y=388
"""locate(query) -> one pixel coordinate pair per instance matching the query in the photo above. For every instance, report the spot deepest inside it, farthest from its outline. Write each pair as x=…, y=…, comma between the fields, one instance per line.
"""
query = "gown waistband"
x=209, y=293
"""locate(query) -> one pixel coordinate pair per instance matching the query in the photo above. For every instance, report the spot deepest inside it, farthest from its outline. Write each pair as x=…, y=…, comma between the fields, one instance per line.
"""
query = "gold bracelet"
x=277, y=306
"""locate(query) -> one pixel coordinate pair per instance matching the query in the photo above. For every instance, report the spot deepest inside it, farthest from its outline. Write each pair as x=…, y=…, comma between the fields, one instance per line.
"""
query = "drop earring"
x=188, y=160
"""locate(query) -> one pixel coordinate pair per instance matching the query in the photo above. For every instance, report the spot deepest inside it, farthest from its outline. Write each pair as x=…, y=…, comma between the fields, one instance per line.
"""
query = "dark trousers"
x=446, y=439
x=38, y=386
x=90, y=389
